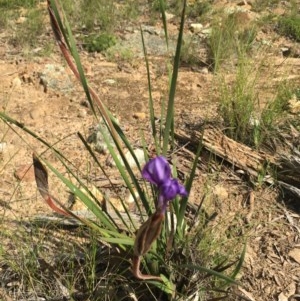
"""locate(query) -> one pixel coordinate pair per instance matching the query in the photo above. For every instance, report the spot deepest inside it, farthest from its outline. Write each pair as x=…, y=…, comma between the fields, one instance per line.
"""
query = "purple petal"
x=168, y=191
x=157, y=171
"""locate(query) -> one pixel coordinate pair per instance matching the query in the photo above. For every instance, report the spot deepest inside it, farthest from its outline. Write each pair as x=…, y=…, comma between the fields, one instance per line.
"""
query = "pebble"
x=295, y=254
x=21, y=20
x=82, y=113
x=139, y=153
x=220, y=192
x=204, y=70
x=169, y=16
x=196, y=27
x=16, y=82
x=109, y=81
x=3, y=146
x=139, y=115
x=294, y=105
x=206, y=31
x=25, y=172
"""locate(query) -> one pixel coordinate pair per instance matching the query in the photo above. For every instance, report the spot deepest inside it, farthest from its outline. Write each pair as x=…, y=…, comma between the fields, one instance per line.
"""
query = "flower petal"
x=168, y=191
x=157, y=171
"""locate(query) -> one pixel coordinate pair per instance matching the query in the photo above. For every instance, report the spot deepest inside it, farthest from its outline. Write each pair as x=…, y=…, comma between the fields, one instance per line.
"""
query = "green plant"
x=99, y=42
x=261, y=5
x=228, y=39
x=246, y=119
x=199, y=8
x=30, y=30
x=238, y=101
x=289, y=26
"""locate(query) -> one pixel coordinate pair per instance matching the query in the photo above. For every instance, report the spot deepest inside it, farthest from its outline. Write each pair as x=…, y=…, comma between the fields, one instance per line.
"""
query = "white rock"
x=139, y=153
x=169, y=16
x=16, y=82
x=109, y=81
x=3, y=146
x=206, y=31
x=196, y=27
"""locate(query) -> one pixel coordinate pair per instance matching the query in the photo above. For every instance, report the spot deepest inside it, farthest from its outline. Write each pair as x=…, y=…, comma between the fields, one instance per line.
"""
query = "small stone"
x=3, y=146
x=36, y=113
x=206, y=31
x=139, y=153
x=204, y=70
x=294, y=105
x=109, y=81
x=169, y=16
x=196, y=27
x=220, y=192
x=139, y=115
x=21, y=20
x=295, y=254
x=82, y=114
x=16, y=82
x=25, y=172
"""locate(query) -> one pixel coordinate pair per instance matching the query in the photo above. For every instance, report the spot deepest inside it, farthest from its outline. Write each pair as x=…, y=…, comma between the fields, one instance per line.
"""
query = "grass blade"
x=170, y=110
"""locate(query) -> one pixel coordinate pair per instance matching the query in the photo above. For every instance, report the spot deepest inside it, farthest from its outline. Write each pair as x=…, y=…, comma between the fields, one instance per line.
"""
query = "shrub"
x=289, y=26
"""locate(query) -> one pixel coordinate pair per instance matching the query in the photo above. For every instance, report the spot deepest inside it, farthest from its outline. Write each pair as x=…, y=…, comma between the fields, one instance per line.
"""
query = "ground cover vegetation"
x=172, y=247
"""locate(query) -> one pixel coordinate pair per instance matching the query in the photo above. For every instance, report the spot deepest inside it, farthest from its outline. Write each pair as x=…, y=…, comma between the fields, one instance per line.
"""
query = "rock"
x=82, y=113
x=36, y=113
x=295, y=254
x=21, y=20
x=3, y=146
x=204, y=70
x=152, y=30
x=16, y=82
x=139, y=115
x=220, y=192
x=294, y=105
x=206, y=31
x=109, y=81
x=56, y=78
x=196, y=27
x=25, y=172
x=169, y=16
x=139, y=153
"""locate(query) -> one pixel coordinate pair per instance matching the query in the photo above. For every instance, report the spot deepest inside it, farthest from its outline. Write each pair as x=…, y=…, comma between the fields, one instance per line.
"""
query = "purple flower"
x=157, y=171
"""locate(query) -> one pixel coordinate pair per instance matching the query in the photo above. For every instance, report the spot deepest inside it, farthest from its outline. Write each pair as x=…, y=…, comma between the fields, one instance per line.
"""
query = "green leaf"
x=169, y=127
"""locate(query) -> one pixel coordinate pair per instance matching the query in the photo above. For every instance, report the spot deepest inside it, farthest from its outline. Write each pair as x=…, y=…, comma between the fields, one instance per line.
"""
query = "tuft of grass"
x=237, y=103
x=198, y=9
x=228, y=39
x=289, y=26
x=99, y=42
x=91, y=15
x=29, y=32
x=246, y=118
x=261, y=5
